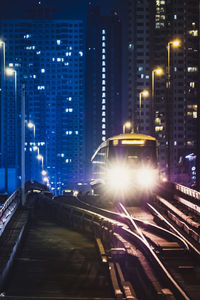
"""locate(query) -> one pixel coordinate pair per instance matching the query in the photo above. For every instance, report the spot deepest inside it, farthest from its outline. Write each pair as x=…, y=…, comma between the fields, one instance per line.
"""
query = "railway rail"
x=171, y=265
x=143, y=249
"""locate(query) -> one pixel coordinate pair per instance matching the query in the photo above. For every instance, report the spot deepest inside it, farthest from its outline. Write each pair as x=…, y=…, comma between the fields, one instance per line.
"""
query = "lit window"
x=103, y=107
x=103, y=56
x=103, y=44
x=58, y=42
x=192, y=84
x=103, y=38
x=103, y=126
x=58, y=59
x=81, y=53
x=34, y=76
x=103, y=82
x=158, y=128
x=70, y=109
x=103, y=138
x=103, y=120
x=103, y=113
x=53, y=58
x=103, y=31
x=42, y=70
x=41, y=87
x=103, y=132
x=194, y=115
x=140, y=68
x=27, y=36
x=103, y=94
x=76, y=132
x=193, y=32
x=11, y=65
x=103, y=101
x=175, y=17
x=103, y=69
x=38, y=52
x=192, y=69
x=62, y=155
x=103, y=75
x=175, y=69
x=103, y=63
x=103, y=50
x=70, y=98
x=131, y=46
x=103, y=88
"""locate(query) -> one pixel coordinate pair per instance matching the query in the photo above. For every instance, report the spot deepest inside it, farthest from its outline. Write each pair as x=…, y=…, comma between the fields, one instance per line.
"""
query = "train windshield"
x=134, y=154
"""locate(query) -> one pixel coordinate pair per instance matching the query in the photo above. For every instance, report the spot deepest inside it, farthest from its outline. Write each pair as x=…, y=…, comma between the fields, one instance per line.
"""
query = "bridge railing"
x=8, y=209
x=187, y=191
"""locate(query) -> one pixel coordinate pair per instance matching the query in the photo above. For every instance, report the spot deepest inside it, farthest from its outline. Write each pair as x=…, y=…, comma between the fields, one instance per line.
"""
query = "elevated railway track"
x=143, y=253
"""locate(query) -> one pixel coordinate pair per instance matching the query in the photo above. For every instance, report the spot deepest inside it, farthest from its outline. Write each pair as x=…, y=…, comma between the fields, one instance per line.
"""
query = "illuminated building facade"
x=103, y=79
x=48, y=56
x=151, y=26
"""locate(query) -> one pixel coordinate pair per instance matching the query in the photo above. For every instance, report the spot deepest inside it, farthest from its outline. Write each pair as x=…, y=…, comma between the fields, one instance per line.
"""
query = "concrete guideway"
x=56, y=262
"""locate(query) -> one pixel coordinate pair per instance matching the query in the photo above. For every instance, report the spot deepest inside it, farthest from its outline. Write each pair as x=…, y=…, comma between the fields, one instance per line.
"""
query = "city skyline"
x=131, y=70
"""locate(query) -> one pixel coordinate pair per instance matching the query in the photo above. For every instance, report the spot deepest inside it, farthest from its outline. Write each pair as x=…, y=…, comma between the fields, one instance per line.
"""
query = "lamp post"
x=32, y=125
x=11, y=72
x=40, y=157
x=144, y=93
x=3, y=137
x=175, y=44
x=127, y=125
x=158, y=72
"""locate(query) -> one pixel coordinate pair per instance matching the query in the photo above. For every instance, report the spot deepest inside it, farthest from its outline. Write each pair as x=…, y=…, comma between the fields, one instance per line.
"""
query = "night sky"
x=66, y=9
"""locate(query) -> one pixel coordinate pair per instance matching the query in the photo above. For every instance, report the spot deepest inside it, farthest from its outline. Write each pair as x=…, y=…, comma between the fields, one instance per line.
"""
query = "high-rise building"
x=152, y=26
x=103, y=79
x=48, y=56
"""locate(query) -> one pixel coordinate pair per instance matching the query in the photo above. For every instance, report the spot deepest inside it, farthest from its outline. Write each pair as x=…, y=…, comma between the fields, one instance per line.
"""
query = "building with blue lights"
x=48, y=56
x=103, y=79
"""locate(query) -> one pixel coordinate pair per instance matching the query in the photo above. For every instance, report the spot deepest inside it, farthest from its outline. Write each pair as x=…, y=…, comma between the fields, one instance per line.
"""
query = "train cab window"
x=133, y=153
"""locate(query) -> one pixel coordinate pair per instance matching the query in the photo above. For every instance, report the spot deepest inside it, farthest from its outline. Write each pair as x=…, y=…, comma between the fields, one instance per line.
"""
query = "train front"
x=132, y=168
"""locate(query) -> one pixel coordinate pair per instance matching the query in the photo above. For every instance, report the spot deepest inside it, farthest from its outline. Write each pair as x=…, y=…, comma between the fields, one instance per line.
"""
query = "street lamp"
x=11, y=72
x=174, y=44
x=40, y=157
x=32, y=125
x=127, y=125
x=158, y=72
x=3, y=103
x=144, y=93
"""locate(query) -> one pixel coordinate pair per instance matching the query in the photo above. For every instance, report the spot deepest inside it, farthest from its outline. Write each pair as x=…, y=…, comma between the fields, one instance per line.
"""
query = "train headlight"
x=147, y=178
x=118, y=178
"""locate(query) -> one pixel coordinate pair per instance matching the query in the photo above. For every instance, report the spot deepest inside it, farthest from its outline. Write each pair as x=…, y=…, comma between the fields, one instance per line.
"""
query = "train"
x=126, y=166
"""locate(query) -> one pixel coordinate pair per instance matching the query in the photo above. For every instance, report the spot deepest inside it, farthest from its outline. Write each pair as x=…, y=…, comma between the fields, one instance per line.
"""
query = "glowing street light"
x=46, y=179
x=144, y=93
x=127, y=125
x=174, y=44
x=40, y=157
x=44, y=172
x=158, y=72
x=32, y=125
